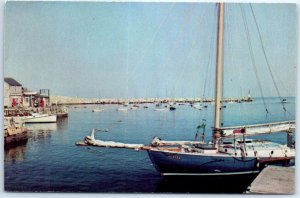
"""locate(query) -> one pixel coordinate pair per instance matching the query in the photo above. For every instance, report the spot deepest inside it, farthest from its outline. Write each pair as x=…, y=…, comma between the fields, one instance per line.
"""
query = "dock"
x=274, y=180
x=14, y=131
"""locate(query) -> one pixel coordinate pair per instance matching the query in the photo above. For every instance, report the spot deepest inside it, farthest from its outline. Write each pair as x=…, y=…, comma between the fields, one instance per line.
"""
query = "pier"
x=14, y=131
x=274, y=180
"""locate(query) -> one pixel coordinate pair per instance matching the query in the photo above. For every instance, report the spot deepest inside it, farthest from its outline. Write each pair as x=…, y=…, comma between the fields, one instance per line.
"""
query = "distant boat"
x=97, y=110
x=197, y=106
x=40, y=118
x=284, y=100
x=133, y=108
x=160, y=109
x=122, y=109
x=172, y=108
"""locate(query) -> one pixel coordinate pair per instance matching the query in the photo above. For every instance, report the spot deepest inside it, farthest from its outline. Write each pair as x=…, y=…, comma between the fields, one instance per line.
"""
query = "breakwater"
x=65, y=100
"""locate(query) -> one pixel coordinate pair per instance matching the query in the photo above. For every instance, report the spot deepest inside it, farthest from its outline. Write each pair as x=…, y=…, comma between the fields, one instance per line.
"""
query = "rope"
x=252, y=57
x=267, y=60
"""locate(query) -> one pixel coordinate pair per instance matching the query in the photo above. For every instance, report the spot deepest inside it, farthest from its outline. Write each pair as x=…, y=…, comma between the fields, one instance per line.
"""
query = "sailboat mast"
x=219, y=71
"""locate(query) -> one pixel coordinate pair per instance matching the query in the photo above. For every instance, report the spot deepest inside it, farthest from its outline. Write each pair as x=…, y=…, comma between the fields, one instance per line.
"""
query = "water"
x=50, y=160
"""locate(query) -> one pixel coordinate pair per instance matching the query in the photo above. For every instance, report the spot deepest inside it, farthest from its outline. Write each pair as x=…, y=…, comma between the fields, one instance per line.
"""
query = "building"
x=30, y=98
x=16, y=95
x=13, y=93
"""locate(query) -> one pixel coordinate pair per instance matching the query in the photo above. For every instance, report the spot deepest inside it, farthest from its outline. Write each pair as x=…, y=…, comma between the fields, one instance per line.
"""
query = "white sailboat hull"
x=41, y=118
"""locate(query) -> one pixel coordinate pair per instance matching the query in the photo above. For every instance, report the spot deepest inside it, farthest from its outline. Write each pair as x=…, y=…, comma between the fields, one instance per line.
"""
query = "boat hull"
x=40, y=119
x=168, y=163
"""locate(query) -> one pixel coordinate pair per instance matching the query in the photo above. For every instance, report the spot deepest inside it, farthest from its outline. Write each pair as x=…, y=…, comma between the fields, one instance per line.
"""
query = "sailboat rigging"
x=220, y=157
x=229, y=152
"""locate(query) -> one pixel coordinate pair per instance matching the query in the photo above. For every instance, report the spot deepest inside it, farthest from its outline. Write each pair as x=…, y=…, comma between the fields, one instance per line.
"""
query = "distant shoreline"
x=65, y=100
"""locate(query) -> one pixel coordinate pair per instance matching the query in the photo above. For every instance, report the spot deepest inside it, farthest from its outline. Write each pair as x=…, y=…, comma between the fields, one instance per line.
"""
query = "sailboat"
x=229, y=153
x=236, y=156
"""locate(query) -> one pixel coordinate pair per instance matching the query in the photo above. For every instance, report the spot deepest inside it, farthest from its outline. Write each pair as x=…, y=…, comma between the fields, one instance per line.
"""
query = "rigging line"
x=252, y=57
x=211, y=54
x=174, y=46
x=239, y=78
x=145, y=52
x=229, y=41
x=186, y=57
x=265, y=55
x=209, y=62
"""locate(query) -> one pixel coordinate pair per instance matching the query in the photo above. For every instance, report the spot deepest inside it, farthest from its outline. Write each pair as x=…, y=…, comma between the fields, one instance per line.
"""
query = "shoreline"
x=64, y=100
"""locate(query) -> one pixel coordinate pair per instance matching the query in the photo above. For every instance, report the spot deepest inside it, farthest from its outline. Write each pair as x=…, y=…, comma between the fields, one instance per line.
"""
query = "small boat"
x=122, y=109
x=133, y=108
x=283, y=100
x=197, y=106
x=97, y=110
x=172, y=108
x=160, y=109
x=40, y=118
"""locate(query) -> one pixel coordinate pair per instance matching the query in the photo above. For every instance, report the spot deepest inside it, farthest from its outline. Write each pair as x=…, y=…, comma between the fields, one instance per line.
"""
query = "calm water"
x=50, y=160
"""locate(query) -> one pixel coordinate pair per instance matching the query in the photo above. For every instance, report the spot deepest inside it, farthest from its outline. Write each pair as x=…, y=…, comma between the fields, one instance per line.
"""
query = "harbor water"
x=50, y=160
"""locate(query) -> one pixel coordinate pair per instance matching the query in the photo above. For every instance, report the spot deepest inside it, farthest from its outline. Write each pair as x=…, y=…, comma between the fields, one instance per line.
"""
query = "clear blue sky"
x=122, y=50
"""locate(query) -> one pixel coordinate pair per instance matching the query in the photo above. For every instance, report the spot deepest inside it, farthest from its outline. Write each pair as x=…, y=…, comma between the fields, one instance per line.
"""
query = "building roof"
x=12, y=82
x=30, y=93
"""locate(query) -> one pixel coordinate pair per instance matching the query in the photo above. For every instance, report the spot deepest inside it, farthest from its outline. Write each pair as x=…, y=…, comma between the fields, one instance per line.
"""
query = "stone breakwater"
x=65, y=100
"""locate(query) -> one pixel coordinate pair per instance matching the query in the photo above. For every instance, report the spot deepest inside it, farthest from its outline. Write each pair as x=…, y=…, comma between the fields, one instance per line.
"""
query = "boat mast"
x=219, y=72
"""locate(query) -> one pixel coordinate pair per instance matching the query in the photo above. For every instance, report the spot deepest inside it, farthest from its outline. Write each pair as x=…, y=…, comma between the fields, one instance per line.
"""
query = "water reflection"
x=42, y=131
x=62, y=123
x=44, y=127
x=15, y=153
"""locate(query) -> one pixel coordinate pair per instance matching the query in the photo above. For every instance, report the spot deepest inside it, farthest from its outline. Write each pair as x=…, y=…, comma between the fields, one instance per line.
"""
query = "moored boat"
x=40, y=118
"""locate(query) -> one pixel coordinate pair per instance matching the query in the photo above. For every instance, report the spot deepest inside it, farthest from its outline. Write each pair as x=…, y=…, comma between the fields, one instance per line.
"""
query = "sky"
x=146, y=50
